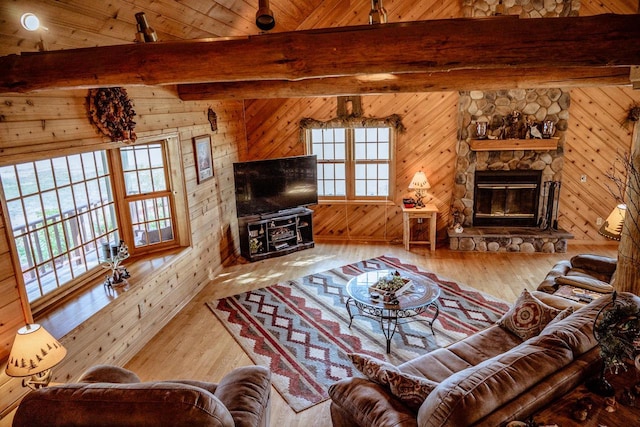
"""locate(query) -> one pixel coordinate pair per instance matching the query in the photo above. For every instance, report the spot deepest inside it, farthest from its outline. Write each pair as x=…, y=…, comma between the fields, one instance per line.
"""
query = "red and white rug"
x=299, y=328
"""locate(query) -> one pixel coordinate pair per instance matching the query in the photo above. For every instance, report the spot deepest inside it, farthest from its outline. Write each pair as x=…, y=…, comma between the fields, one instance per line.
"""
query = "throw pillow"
x=528, y=316
x=411, y=390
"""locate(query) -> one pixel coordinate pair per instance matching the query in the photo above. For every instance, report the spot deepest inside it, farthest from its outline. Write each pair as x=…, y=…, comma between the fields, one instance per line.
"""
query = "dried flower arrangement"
x=633, y=115
x=111, y=111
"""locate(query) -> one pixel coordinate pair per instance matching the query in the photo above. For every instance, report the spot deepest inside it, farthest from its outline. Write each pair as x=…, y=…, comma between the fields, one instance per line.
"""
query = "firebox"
x=506, y=198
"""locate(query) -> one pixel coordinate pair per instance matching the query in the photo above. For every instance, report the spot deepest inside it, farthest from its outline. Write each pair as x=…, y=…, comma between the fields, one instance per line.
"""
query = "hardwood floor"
x=195, y=345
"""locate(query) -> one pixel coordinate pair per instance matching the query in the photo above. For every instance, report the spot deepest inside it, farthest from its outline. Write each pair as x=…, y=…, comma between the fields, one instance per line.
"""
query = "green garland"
x=618, y=333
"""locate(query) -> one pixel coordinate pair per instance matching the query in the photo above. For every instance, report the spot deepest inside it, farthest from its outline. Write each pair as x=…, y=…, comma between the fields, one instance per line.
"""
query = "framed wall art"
x=204, y=159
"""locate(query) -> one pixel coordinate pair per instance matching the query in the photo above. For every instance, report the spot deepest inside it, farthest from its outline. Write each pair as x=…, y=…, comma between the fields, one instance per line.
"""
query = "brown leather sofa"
x=487, y=379
x=591, y=272
x=112, y=396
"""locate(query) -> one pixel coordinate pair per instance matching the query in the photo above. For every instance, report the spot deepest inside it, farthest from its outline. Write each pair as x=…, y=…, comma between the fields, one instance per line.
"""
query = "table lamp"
x=419, y=183
x=34, y=352
x=612, y=227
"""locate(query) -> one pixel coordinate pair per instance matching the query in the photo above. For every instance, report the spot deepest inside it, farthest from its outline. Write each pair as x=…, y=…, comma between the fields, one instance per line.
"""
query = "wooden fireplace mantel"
x=513, y=144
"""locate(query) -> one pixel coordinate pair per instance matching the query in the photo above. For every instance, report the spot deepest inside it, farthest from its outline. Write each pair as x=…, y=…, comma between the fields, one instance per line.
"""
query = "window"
x=66, y=212
x=353, y=162
x=61, y=211
x=147, y=194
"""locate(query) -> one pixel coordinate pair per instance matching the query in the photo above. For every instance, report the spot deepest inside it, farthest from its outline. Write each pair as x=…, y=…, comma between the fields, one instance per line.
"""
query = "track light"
x=145, y=32
x=264, y=16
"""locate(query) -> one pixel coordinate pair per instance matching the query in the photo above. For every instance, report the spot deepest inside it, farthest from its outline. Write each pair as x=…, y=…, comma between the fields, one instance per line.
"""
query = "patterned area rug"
x=300, y=329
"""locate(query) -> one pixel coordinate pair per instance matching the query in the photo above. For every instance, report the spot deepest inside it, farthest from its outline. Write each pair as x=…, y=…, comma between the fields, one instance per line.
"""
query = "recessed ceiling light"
x=30, y=21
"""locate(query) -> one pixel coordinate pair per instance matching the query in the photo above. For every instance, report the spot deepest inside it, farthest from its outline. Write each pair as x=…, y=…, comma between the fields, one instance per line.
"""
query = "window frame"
x=350, y=161
x=122, y=201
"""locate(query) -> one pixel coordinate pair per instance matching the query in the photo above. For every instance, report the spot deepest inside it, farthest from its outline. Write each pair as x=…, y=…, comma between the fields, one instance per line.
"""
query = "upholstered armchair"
x=112, y=396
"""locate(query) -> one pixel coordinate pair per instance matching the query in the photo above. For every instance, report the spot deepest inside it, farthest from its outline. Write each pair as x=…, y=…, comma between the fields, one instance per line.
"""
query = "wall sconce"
x=33, y=354
x=145, y=33
x=31, y=22
x=264, y=16
x=419, y=183
x=378, y=14
x=612, y=227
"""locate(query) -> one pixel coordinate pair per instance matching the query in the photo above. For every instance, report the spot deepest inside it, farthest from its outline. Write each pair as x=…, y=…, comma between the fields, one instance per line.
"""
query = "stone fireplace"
x=498, y=182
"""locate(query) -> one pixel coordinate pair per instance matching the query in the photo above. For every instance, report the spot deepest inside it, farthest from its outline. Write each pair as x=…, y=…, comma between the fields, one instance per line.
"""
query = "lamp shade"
x=612, y=227
x=419, y=182
x=34, y=350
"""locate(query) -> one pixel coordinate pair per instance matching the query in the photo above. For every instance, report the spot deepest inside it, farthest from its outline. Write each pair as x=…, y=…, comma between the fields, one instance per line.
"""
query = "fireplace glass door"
x=506, y=198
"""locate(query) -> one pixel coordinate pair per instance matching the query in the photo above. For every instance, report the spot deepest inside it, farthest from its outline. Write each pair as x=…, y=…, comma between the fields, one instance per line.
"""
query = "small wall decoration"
x=111, y=111
x=213, y=119
x=203, y=156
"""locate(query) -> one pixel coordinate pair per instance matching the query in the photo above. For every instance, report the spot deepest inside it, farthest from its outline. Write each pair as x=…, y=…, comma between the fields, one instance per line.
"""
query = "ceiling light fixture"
x=264, y=16
x=30, y=22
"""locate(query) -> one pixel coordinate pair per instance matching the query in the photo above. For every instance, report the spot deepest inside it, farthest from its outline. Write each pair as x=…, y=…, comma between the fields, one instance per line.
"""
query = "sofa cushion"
x=410, y=389
x=528, y=316
x=473, y=393
x=577, y=329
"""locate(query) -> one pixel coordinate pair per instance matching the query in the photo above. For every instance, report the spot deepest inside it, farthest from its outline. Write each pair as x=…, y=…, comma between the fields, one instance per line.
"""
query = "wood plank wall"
x=37, y=125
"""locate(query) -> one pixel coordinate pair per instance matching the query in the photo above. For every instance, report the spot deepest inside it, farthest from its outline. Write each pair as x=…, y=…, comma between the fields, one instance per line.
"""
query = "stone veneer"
x=493, y=239
x=522, y=8
x=492, y=106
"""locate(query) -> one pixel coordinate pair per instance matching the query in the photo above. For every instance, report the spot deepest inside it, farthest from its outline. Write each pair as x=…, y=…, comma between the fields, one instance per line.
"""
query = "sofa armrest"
x=108, y=374
x=588, y=283
x=246, y=392
x=549, y=283
x=596, y=263
x=367, y=404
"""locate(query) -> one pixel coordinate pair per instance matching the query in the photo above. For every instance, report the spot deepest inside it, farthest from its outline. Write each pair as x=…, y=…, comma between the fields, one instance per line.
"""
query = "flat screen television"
x=273, y=185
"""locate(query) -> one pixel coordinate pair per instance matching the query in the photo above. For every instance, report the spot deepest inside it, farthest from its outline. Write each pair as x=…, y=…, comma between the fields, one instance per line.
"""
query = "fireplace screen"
x=506, y=198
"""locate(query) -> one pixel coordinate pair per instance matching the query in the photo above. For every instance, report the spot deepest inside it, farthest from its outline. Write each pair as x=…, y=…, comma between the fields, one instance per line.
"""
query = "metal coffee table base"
x=390, y=318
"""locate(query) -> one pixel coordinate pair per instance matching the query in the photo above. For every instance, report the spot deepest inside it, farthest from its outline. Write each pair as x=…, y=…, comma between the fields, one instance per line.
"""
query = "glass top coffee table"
x=419, y=298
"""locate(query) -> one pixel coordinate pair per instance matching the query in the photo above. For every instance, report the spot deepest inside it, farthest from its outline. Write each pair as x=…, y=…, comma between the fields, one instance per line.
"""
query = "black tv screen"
x=267, y=186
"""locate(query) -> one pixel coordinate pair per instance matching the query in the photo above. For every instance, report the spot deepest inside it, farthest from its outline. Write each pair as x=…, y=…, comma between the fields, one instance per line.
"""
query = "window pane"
x=27, y=179
x=383, y=187
x=45, y=175
x=340, y=135
x=360, y=135
x=80, y=196
x=50, y=202
x=361, y=188
x=372, y=171
x=372, y=134
x=159, y=183
x=142, y=157
x=372, y=151
x=361, y=151
x=341, y=188
x=340, y=171
x=317, y=150
x=131, y=183
x=9, y=182
x=146, y=184
x=361, y=171
x=155, y=154
x=316, y=135
x=340, y=151
x=75, y=168
x=327, y=135
x=383, y=134
x=61, y=171
x=89, y=166
x=383, y=151
x=128, y=159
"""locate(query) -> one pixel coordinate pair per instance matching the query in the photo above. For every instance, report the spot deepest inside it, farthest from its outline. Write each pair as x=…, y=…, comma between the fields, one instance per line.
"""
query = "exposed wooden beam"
x=410, y=82
x=415, y=47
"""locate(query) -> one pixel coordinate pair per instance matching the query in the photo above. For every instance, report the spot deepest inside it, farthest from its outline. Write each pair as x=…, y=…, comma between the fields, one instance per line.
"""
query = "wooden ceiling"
x=94, y=23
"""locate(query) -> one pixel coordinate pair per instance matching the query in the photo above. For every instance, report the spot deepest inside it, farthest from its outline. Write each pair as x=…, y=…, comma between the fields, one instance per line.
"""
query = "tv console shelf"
x=266, y=236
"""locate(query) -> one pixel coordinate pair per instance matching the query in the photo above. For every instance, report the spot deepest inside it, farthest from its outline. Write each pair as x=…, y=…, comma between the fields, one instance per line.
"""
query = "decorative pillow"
x=411, y=390
x=528, y=316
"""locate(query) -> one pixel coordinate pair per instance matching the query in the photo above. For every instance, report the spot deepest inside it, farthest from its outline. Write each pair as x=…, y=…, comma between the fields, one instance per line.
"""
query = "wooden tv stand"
x=266, y=236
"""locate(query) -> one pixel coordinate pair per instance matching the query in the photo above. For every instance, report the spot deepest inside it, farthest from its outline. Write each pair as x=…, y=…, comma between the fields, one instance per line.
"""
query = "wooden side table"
x=430, y=212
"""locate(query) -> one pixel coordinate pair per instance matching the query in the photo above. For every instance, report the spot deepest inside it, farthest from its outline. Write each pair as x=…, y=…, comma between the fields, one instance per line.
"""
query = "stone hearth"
x=509, y=239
